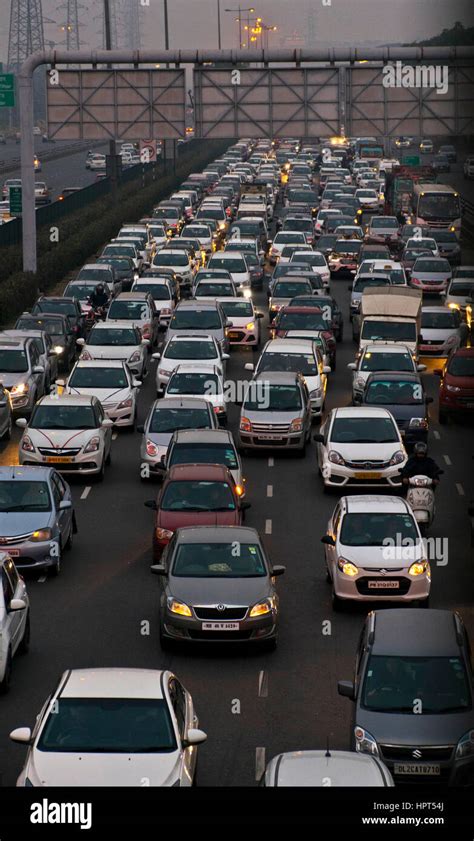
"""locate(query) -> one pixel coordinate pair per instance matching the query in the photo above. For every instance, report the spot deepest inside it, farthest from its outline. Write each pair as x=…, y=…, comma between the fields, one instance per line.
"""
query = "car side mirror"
x=158, y=569
x=22, y=735
x=318, y=438
x=17, y=604
x=352, y=366
x=225, y=356
x=107, y=423
x=428, y=400
x=259, y=315
x=137, y=383
x=151, y=503
x=38, y=369
x=327, y=369
x=22, y=423
x=65, y=505
x=421, y=368
x=328, y=540
x=277, y=570
x=346, y=688
x=156, y=356
x=80, y=342
x=61, y=383
x=145, y=342
x=249, y=366
x=194, y=737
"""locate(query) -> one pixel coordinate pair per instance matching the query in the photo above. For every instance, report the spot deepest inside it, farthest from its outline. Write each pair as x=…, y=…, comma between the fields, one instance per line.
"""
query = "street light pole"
x=167, y=36
x=219, y=40
x=112, y=144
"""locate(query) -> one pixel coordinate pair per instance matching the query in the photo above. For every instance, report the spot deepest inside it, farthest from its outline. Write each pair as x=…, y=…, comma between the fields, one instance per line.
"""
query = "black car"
x=404, y=396
x=124, y=270
x=59, y=328
x=326, y=243
x=412, y=693
x=65, y=306
x=448, y=245
x=449, y=152
x=336, y=318
x=440, y=163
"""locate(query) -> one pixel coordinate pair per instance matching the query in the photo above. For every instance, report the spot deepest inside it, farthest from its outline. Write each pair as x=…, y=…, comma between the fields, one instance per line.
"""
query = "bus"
x=437, y=206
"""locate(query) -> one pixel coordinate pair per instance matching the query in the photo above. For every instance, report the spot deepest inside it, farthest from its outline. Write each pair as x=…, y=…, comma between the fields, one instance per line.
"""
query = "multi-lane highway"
x=252, y=704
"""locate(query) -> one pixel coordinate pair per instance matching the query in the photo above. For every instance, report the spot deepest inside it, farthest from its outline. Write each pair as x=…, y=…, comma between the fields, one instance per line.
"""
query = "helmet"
x=420, y=448
x=100, y=287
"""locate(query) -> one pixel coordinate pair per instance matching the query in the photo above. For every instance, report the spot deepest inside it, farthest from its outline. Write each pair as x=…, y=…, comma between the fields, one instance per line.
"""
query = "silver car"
x=21, y=373
x=200, y=316
x=48, y=357
x=276, y=413
x=317, y=768
x=117, y=340
x=431, y=274
x=14, y=618
x=442, y=330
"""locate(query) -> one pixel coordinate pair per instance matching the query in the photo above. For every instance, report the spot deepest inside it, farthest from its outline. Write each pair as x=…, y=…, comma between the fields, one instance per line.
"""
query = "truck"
x=389, y=314
x=400, y=185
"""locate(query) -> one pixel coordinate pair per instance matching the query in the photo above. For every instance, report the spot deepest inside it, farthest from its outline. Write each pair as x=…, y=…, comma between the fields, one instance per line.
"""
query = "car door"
x=62, y=493
x=51, y=357
x=11, y=629
x=306, y=409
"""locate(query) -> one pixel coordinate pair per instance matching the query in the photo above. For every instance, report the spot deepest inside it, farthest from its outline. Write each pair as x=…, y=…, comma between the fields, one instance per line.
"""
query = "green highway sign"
x=7, y=90
x=15, y=201
x=411, y=160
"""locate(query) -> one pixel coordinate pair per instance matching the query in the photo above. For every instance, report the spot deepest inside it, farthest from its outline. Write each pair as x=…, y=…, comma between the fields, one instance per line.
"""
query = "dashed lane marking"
x=268, y=526
x=460, y=489
x=269, y=490
x=271, y=461
x=436, y=434
x=259, y=763
x=447, y=460
x=85, y=493
x=263, y=684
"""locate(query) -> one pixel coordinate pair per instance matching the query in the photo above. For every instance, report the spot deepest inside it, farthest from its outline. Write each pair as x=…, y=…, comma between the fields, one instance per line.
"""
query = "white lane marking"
x=460, y=489
x=259, y=763
x=114, y=436
x=271, y=461
x=85, y=493
x=269, y=490
x=447, y=460
x=42, y=579
x=263, y=684
x=436, y=434
x=268, y=526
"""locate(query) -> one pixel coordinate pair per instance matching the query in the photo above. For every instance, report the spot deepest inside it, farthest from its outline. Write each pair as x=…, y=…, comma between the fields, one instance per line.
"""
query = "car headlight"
x=418, y=568
x=454, y=306
x=397, y=458
x=296, y=425
x=261, y=609
x=164, y=534
x=247, y=293
x=178, y=607
x=135, y=357
x=359, y=382
x=365, y=742
x=93, y=445
x=21, y=388
x=58, y=349
x=126, y=404
x=465, y=746
x=347, y=567
x=315, y=393
x=27, y=444
x=453, y=388
x=245, y=425
x=250, y=326
x=335, y=457
x=418, y=423
x=40, y=535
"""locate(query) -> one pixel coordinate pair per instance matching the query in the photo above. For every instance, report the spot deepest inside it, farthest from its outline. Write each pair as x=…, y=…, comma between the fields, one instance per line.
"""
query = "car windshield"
x=289, y=289
x=461, y=366
x=156, y=231
x=384, y=222
x=213, y=290
x=79, y=291
x=347, y=246
x=94, y=274
x=440, y=683
x=95, y=377
x=62, y=416
x=390, y=331
x=204, y=453
x=108, y=725
x=303, y=197
x=198, y=496
x=218, y=560
x=52, y=326
x=119, y=250
x=377, y=529
x=211, y=213
x=386, y=362
x=402, y=392
x=193, y=382
x=137, y=310
x=158, y=291
x=289, y=237
x=13, y=361
x=305, y=225
x=171, y=258
x=199, y=231
x=305, y=363
x=66, y=307
x=24, y=495
x=366, y=194
x=113, y=336
x=168, y=420
x=363, y=431
x=273, y=398
x=183, y=349
x=166, y=213
x=366, y=282
x=441, y=320
x=311, y=259
x=238, y=309
x=231, y=264
x=431, y=266
x=439, y=206
x=302, y=321
x=462, y=290
x=186, y=319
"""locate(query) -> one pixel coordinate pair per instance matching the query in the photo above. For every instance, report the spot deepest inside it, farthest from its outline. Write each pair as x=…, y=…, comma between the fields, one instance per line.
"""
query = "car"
x=59, y=328
x=171, y=218
x=403, y=142
x=200, y=316
x=276, y=413
x=368, y=199
x=326, y=243
x=14, y=617
x=441, y=163
x=180, y=261
x=449, y=152
x=96, y=162
x=423, y=242
x=431, y=274
x=442, y=330
x=202, y=233
x=124, y=248
x=10, y=182
x=187, y=349
x=195, y=495
x=468, y=167
x=205, y=446
x=409, y=257
x=111, y=381
x=344, y=257
x=456, y=389
x=37, y=518
x=302, y=319
x=302, y=356
x=21, y=374
x=211, y=593
x=163, y=296
x=381, y=356
x=103, y=272
x=70, y=431
x=426, y=147
x=408, y=656
x=315, y=767
x=283, y=290
x=316, y=262
x=213, y=288
x=235, y=263
x=164, y=418
x=374, y=551
x=459, y=296
x=42, y=193
x=361, y=282
x=383, y=230
x=448, y=246
x=117, y=340
x=48, y=358
x=203, y=379
x=283, y=238
x=391, y=267
x=405, y=398
x=244, y=320
x=67, y=306
x=127, y=725
x=138, y=308
x=359, y=446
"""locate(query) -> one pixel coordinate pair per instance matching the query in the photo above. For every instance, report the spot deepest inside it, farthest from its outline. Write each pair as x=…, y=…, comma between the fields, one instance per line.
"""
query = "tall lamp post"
x=219, y=38
x=239, y=19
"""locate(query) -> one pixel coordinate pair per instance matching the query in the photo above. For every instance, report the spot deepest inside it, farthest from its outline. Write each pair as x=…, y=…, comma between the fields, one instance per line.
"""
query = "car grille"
x=433, y=282
x=206, y=613
x=362, y=585
x=52, y=451
x=433, y=342
x=367, y=465
x=277, y=428
x=14, y=540
x=402, y=753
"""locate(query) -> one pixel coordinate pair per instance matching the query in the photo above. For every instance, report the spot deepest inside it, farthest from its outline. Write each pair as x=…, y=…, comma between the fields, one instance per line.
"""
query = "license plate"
x=270, y=437
x=367, y=475
x=384, y=585
x=233, y=335
x=59, y=459
x=412, y=768
x=13, y=552
x=220, y=626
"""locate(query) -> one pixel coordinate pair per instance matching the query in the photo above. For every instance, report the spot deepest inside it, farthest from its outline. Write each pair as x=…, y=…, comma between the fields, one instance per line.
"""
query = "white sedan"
x=113, y=727
x=111, y=381
x=117, y=340
x=187, y=350
x=14, y=618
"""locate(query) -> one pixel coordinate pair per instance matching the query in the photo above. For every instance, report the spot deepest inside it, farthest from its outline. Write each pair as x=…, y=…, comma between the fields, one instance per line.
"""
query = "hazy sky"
x=193, y=23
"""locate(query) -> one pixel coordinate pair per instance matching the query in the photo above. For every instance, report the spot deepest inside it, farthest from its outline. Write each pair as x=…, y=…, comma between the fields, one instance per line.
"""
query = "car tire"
x=56, y=568
x=108, y=460
x=24, y=645
x=73, y=531
x=442, y=417
x=243, y=451
x=328, y=576
x=271, y=645
x=6, y=682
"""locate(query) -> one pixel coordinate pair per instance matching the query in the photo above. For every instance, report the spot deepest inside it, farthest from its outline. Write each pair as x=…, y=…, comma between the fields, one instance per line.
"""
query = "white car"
x=245, y=321
x=459, y=296
x=283, y=238
x=69, y=431
x=97, y=162
x=423, y=242
x=234, y=262
x=111, y=381
x=138, y=309
x=357, y=446
x=162, y=294
x=201, y=232
x=179, y=261
x=374, y=551
x=187, y=349
x=113, y=726
x=199, y=381
x=117, y=340
x=368, y=199
x=123, y=248
x=14, y=618
x=316, y=262
x=208, y=289
x=381, y=356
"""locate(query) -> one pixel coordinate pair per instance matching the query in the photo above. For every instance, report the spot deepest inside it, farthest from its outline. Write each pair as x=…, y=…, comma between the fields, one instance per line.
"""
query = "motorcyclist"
x=99, y=298
x=420, y=463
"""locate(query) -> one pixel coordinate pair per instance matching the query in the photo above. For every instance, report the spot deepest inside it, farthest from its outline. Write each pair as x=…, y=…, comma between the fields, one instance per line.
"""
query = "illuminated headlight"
x=21, y=388
x=247, y=293
x=178, y=607
x=164, y=534
x=126, y=404
x=335, y=457
x=419, y=568
x=454, y=388
x=418, y=423
x=93, y=445
x=465, y=746
x=136, y=276
x=397, y=458
x=41, y=535
x=261, y=609
x=222, y=226
x=347, y=567
x=58, y=349
x=365, y=742
x=454, y=306
x=250, y=326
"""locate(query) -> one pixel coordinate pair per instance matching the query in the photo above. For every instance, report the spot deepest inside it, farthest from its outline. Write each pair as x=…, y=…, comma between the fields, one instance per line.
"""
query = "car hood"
x=381, y=557
x=22, y=522
x=111, y=351
x=60, y=438
x=402, y=412
x=178, y=519
x=103, y=769
x=9, y=379
x=105, y=395
x=271, y=417
x=439, y=276
x=210, y=591
x=365, y=452
x=408, y=729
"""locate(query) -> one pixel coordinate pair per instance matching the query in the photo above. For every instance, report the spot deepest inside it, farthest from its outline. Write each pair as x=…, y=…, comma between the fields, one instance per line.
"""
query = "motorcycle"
x=421, y=498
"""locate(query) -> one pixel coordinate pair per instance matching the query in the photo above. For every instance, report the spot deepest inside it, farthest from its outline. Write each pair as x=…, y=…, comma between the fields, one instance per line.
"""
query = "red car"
x=456, y=390
x=305, y=318
x=195, y=495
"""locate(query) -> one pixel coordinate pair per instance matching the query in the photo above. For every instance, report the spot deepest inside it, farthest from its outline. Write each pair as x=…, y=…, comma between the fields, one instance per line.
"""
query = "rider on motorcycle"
x=99, y=297
x=420, y=463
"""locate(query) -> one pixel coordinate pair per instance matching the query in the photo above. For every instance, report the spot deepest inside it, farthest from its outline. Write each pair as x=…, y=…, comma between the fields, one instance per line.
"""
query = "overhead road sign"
x=7, y=90
x=15, y=197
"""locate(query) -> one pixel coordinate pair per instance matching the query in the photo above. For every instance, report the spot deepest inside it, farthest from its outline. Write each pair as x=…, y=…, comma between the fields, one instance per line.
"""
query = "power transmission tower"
x=71, y=26
x=26, y=34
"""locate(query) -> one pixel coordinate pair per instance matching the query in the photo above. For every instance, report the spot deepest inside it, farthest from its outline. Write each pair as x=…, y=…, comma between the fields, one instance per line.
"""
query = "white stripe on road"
x=269, y=490
x=259, y=763
x=114, y=436
x=85, y=493
x=263, y=684
x=460, y=489
x=42, y=579
x=271, y=461
x=436, y=434
x=268, y=526
x=447, y=460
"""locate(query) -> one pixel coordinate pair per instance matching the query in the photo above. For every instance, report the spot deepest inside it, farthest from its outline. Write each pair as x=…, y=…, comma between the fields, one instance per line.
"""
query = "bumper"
x=260, y=441
x=337, y=268
x=120, y=417
x=34, y=555
x=242, y=337
x=339, y=476
x=191, y=630
x=435, y=350
x=87, y=463
x=398, y=587
x=451, y=773
x=412, y=435
x=317, y=404
x=431, y=287
x=464, y=405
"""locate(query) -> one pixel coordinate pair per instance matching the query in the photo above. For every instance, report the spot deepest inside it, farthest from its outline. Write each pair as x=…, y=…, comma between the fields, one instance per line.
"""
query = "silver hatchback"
x=276, y=413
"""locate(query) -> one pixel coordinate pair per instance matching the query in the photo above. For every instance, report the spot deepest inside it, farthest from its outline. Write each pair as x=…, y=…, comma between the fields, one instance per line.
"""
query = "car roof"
x=133, y=296
x=311, y=767
x=436, y=308
x=360, y=411
x=204, y=472
x=294, y=310
x=114, y=683
x=217, y=534
x=192, y=304
x=197, y=368
x=100, y=363
x=116, y=324
x=394, y=375
x=289, y=346
x=13, y=343
x=415, y=632
x=464, y=351
x=95, y=265
x=22, y=334
x=374, y=503
x=72, y=399
x=25, y=473
x=386, y=348
x=195, y=436
x=180, y=401
x=278, y=377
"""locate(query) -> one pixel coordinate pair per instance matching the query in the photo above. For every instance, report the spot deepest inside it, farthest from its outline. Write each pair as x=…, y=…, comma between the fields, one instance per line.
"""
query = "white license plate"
x=270, y=437
x=220, y=626
x=384, y=585
x=15, y=553
x=419, y=769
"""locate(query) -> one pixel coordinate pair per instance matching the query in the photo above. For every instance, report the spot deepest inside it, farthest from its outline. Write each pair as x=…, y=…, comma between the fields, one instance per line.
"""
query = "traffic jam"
x=292, y=325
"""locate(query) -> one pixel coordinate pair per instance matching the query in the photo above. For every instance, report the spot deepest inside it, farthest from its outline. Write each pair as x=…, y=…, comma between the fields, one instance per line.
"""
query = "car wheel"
x=328, y=576
x=8, y=432
x=73, y=530
x=271, y=645
x=442, y=417
x=108, y=460
x=25, y=643
x=333, y=363
x=56, y=568
x=5, y=683
x=243, y=451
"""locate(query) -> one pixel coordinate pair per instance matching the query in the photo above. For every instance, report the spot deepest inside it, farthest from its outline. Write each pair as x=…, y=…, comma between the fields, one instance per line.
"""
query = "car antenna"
x=328, y=752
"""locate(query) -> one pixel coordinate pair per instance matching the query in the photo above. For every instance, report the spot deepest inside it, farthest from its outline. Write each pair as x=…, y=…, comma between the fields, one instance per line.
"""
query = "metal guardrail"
x=51, y=155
